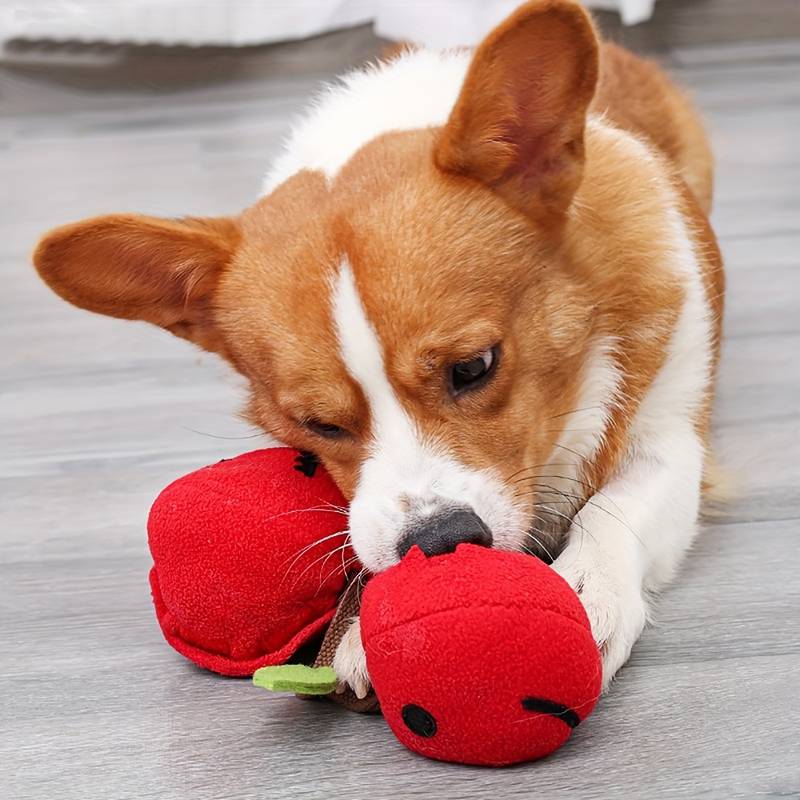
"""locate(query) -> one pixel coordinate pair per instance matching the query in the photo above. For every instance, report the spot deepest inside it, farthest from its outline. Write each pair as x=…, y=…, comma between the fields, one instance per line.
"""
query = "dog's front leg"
x=350, y=662
x=628, y=539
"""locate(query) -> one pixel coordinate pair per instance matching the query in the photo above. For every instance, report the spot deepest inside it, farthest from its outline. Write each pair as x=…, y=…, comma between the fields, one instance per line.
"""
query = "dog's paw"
x=613, y=601
x=350, y=662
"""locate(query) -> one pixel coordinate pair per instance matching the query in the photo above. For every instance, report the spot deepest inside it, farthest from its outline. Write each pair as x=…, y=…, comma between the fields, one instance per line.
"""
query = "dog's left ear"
x=131, y=266
x=518, y=124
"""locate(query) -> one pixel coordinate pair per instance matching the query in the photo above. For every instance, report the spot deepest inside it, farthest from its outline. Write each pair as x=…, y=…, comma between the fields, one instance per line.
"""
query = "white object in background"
x=631, y=11
x=450, y=23
x=437, y=23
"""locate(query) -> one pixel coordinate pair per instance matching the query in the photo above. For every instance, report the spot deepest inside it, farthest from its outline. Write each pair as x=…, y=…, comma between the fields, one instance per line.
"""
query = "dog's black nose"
x=444, y=531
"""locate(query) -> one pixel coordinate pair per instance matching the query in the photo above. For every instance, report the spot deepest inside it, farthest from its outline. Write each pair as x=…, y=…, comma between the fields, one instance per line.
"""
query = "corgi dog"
x=482, y=288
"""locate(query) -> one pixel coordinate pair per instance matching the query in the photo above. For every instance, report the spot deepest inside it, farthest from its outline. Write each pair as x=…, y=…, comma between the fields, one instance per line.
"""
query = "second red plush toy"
x=249, y=559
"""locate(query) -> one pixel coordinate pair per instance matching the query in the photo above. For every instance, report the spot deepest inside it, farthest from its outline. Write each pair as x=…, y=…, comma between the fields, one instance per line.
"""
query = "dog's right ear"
x=162, y=271
x=518, y=124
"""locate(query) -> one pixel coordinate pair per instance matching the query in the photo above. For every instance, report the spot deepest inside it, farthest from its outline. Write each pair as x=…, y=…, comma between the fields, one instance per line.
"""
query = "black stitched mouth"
x=306, y=463
x=542, y=706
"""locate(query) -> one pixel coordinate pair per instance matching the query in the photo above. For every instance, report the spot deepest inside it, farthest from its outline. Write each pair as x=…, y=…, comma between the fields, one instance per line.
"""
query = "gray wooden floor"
x=96, y=416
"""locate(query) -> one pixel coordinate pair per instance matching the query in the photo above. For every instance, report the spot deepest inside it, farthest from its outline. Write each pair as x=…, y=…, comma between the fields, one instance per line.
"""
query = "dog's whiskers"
x=254, y=435
x=312, y=545
x=535, y=466
x=575, y=411
x=323, y=558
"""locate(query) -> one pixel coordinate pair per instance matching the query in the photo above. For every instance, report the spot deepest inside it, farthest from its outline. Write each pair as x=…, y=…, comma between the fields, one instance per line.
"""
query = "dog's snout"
x=443, y=531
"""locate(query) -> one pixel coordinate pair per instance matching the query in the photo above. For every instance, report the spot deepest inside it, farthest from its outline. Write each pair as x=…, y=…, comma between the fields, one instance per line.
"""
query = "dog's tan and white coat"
x=540, y=205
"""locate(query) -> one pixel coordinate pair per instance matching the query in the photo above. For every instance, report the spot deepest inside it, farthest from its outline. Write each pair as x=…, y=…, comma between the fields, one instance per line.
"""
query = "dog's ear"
x=135, y=267
x=518, y=124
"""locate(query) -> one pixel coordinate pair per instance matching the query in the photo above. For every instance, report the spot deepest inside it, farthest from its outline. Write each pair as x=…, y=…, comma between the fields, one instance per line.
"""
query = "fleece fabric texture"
x=243, y=573
x=479, y=656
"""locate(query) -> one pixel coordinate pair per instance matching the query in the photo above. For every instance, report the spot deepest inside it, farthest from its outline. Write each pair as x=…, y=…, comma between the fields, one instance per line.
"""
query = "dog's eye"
x=325, y=429
x=474, y=372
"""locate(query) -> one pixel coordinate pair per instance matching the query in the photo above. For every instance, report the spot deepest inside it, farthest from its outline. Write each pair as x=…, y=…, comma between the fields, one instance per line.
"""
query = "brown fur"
x=636, y=95
x=135, y=267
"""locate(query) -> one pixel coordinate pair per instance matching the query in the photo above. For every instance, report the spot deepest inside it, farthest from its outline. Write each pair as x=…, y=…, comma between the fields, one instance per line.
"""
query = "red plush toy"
x=248, y=557
x=479, y=656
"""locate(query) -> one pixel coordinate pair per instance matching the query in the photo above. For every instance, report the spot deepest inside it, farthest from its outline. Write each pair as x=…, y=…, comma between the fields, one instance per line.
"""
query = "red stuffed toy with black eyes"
x=480, y=656
x=249, y=559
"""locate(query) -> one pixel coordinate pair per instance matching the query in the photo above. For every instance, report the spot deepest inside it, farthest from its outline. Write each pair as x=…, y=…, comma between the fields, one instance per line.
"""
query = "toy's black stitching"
x=306, y=463
x=542, y=706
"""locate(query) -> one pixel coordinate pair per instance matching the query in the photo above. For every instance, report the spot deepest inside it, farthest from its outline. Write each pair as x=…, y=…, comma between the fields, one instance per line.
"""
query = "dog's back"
x=637, y=95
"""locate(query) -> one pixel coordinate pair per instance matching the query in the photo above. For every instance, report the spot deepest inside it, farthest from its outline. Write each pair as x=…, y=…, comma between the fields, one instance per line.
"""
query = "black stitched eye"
x=418, y=720
x=474, y=372
x=324, y=429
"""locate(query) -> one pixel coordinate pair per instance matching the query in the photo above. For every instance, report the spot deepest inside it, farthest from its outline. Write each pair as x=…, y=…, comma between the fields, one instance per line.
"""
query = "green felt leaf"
x=296, y=678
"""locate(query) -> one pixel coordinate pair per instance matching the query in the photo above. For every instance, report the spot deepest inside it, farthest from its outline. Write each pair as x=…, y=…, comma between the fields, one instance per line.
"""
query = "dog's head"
x=413, y=317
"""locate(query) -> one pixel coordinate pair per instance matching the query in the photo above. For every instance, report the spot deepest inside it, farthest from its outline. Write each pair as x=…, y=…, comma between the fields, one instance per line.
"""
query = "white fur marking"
x=350, y=661
x=585, y=427
x=362, y=354
x=416, y=90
